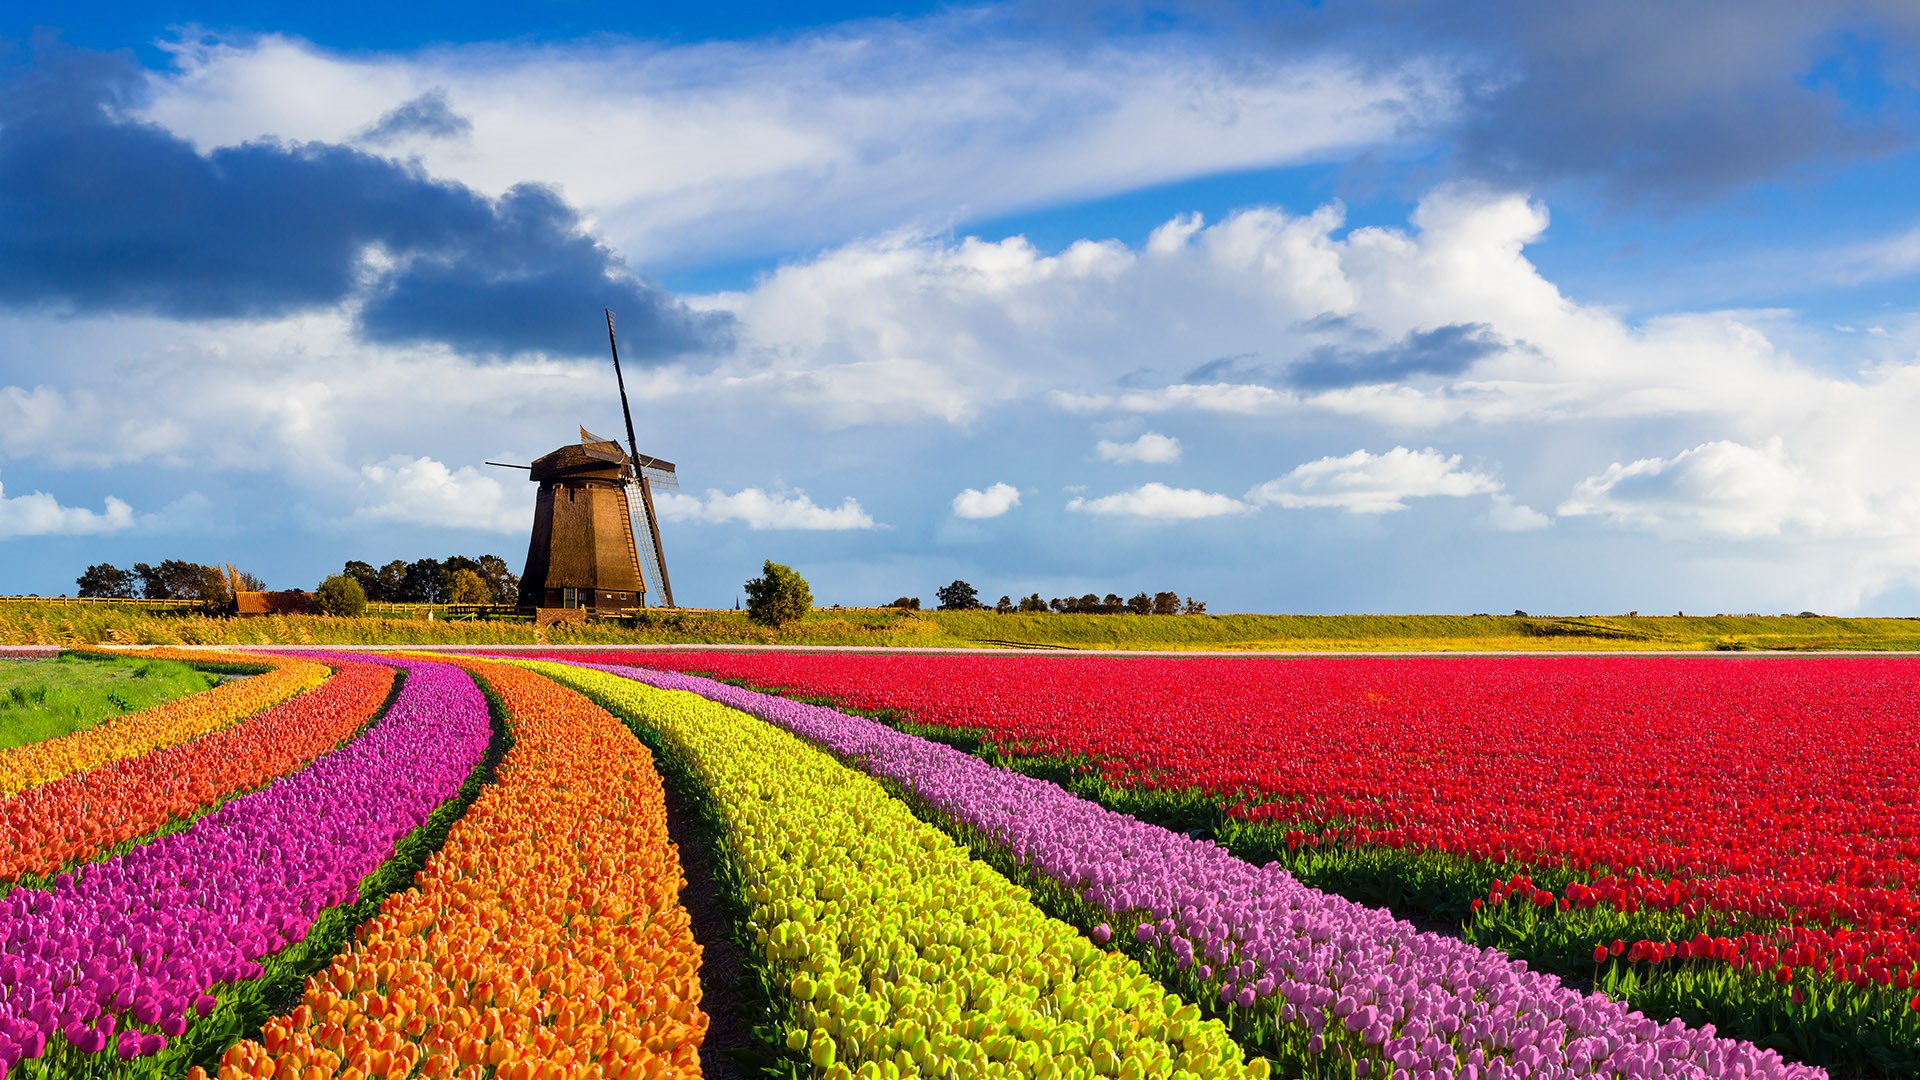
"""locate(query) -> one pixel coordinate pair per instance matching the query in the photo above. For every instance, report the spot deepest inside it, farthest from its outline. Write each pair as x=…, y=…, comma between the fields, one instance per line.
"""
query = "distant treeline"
x=174, y=579
x=438, y=581
x=961, y=596
x=422, y=581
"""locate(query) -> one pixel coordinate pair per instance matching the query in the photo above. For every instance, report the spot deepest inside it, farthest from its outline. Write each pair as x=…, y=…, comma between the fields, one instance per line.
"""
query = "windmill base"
x=560, y=616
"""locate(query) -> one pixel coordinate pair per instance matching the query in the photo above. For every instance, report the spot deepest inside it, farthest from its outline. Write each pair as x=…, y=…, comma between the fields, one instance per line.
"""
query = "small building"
x=287, y=602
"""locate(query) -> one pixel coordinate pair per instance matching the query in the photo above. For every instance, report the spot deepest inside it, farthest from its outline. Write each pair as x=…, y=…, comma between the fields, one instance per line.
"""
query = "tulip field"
x=403, y=864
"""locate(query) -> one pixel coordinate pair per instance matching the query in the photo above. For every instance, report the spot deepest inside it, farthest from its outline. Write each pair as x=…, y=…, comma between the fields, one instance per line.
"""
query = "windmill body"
x=582, y=552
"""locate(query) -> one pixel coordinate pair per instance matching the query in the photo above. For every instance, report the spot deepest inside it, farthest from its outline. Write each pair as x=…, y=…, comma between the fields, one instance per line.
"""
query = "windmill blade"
x=661, y=479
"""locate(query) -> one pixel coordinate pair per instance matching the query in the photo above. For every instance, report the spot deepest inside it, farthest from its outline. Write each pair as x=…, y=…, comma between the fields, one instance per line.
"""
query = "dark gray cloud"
x=428, y=115
x=1443, y=351
x=100, y=214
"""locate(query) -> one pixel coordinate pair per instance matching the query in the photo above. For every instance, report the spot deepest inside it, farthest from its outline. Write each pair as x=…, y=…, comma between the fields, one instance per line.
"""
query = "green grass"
x=45, y=699
x=26, y=622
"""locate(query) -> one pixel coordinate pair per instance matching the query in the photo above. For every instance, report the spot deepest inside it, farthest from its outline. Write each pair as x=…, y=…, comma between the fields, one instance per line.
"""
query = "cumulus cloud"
x=1368, y=483
x=41, y=514
x=975, y=504
x=758, y=509
x=1159, y=502
x=1151, y=448
x=1509, y=515
x=422, y=491
x=1731, y=490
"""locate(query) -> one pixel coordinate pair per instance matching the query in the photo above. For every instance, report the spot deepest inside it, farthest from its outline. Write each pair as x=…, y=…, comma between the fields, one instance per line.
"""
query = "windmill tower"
x=596, y=540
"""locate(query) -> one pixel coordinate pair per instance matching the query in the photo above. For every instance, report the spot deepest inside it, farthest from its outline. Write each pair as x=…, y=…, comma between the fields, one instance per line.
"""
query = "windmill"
x=596, y=538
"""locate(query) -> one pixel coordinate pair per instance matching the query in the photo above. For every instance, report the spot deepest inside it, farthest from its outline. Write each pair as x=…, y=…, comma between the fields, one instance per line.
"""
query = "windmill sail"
x=642, y=471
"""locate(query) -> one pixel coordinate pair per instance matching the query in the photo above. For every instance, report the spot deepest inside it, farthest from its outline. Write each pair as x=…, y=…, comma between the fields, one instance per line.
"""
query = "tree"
x=502, y=584
x=779, y=596
x=1004, y=607
x=340, y=595
x=1166, y=603
x=451, y=566
x=1033, y=603
x=104, y=580
x=1111, y=604
x=251, y=582
x=1194, y=607
x=177, y=579
x=958, y=596
x=468, y=587
x=907, y=603
x=1140, y=604
x=422, y=583
x=393, y=582
x=367, y=576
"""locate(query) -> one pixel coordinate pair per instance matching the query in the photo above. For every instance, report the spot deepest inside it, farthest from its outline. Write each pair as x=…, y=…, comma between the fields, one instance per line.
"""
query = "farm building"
x=287, y=602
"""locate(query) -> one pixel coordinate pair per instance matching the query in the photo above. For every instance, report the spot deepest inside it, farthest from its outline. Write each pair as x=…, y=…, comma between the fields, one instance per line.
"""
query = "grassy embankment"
x=45, y=699
x=25, y=622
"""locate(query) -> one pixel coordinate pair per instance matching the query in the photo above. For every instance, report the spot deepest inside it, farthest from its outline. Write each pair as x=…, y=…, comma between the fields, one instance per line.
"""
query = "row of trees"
x=456, y=579
x=961, y=596
x=173, y=579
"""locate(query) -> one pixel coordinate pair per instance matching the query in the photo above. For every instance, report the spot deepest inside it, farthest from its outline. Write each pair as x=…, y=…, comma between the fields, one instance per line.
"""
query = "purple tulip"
x=148, y=933
x=1309, y=951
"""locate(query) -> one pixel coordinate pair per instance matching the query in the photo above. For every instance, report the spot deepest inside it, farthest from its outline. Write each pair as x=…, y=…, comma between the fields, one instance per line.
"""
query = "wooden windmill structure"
x=595, y=546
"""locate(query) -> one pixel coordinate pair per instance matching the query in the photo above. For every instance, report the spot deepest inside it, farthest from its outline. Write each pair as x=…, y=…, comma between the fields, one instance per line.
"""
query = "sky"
x=1377, y=306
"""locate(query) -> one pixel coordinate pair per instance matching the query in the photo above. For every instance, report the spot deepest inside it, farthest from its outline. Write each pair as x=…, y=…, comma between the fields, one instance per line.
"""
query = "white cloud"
x=1162, y=503
x=422, y=491
x=1367, y=483
x=991, y=503
x=1149, y=449
x=759, y=509
x=40, y=514
x=1735, y=491
x=809, y=139
x=1508, y=515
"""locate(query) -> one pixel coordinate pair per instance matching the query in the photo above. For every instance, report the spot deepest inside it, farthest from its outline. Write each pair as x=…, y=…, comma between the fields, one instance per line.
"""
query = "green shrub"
x=342, y=596
x=779, y=597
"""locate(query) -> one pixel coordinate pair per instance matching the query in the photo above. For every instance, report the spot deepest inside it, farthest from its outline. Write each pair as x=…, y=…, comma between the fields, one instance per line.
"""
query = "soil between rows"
x=724, y=992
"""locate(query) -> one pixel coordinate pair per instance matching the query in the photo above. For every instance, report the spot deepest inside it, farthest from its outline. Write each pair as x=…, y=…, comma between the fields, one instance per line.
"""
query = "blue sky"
x=1389, y=306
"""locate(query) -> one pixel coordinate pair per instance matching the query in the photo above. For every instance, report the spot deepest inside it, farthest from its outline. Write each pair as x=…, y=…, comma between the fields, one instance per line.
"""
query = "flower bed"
x=891, y=945
x=1764, y=805
x=1302, y=975
x=546, y=936
x=112, y=962
x=84, y=815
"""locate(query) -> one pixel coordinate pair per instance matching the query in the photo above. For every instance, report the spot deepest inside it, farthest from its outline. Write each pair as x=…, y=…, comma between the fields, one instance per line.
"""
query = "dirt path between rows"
x=724, y=993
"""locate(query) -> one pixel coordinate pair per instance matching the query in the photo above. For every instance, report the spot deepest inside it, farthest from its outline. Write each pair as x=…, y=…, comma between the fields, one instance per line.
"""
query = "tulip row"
x=896, y=951
x=545, y=938
x=1758, y=799
x=1312, y=979
x=176, y=721
x=115, y=961
x=84, y=815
